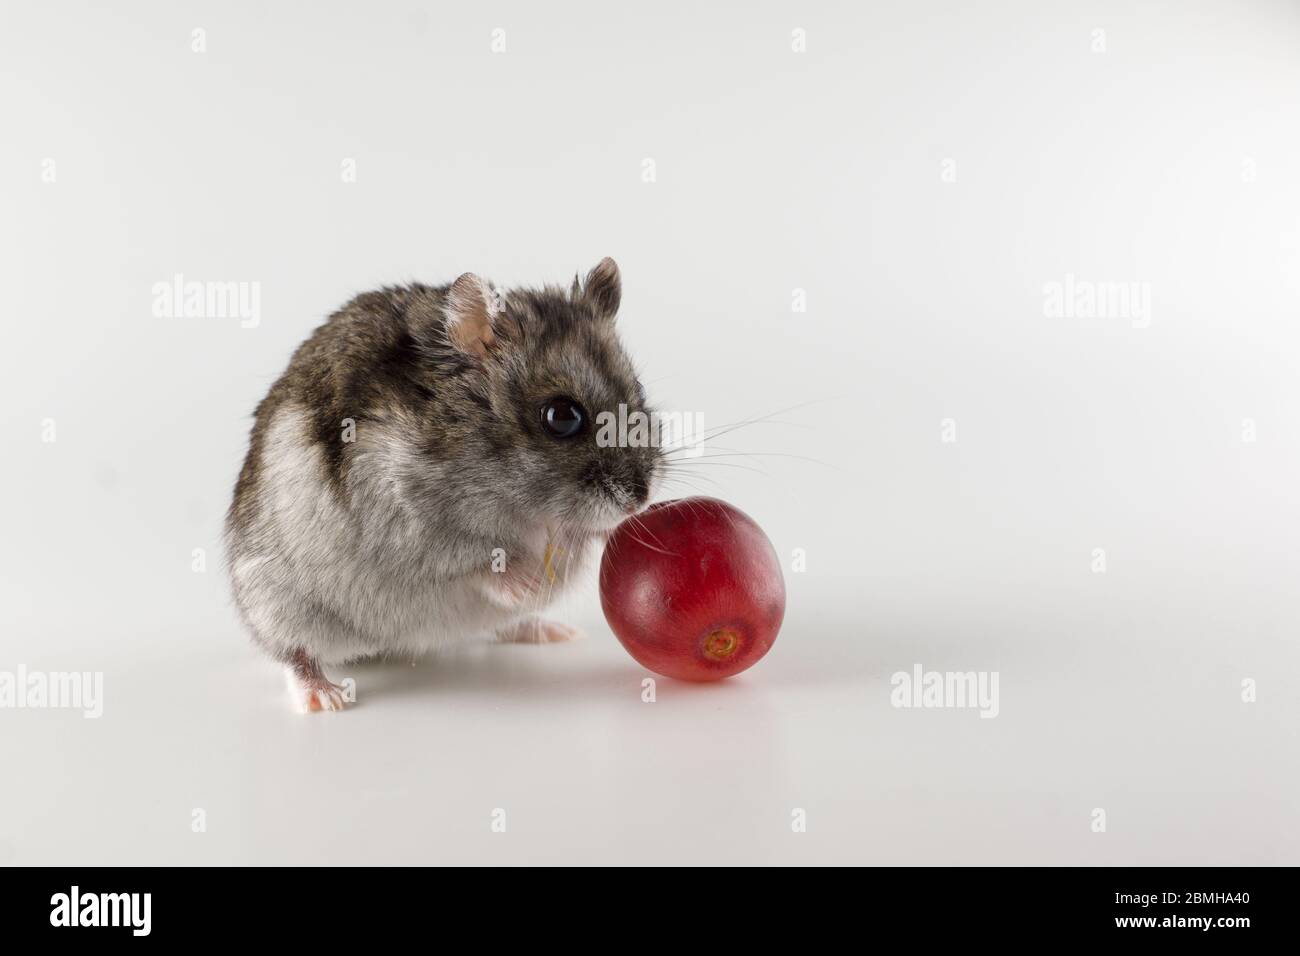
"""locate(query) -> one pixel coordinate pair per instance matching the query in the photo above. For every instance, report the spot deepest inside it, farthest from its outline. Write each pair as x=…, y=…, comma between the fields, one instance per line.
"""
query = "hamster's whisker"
x=707, y=437
x=721, y=464
x=692, y=486
x=734, y=453
x=638, y=524
x=685, y=477
x=769, y=419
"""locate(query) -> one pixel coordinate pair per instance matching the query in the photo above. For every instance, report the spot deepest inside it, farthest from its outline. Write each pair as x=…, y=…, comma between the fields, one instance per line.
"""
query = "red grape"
x=693, y=589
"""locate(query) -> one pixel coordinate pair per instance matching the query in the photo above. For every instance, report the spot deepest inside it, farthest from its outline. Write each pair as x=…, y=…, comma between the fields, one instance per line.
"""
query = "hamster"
x=427, y=469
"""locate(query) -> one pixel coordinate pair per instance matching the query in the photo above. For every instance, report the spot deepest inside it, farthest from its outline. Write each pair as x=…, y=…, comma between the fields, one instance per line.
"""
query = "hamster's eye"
x=562, y=417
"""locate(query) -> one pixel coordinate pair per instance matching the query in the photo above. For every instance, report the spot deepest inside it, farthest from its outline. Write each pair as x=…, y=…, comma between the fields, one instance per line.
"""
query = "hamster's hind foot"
x=538, y=630
x=309, y=689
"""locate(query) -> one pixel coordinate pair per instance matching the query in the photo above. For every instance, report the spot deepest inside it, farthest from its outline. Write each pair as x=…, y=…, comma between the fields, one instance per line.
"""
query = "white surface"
x=776, y=171
x=1112, y=705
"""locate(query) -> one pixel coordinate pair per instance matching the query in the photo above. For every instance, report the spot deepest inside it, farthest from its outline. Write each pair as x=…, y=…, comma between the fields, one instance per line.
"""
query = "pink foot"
x=537, y=630
x=309, y=689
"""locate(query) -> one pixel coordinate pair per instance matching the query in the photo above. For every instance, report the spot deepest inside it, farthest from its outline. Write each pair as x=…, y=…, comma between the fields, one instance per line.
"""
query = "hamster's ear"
x=472, y=307
x=603, y=289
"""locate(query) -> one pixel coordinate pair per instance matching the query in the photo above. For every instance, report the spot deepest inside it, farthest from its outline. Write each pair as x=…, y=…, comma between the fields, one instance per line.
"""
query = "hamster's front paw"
x=538, y=630
x=309, y=689
x=529, y=585
x=513, y=589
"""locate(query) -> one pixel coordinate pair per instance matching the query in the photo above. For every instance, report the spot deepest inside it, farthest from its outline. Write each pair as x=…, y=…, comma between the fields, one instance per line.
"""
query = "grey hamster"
x=427, y=468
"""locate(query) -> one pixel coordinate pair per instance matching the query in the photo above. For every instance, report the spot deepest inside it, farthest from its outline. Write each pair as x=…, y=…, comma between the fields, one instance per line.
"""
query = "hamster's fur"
x=402, y=485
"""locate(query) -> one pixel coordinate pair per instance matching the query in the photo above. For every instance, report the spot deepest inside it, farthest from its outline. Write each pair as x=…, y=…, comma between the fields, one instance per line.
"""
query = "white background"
x=1169, y=159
